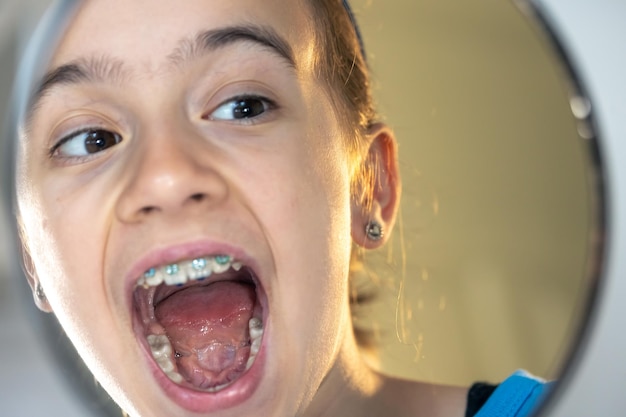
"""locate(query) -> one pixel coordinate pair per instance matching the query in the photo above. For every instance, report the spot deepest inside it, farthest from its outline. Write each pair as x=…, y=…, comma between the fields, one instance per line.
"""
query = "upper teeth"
x=179, y=273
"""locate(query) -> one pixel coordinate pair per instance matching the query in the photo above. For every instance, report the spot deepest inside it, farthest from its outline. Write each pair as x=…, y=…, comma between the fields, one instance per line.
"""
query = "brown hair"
x=343, y=68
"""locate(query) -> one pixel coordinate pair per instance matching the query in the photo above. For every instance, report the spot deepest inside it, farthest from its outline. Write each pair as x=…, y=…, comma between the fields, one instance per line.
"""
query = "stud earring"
x=39, y=292
x=373, y=230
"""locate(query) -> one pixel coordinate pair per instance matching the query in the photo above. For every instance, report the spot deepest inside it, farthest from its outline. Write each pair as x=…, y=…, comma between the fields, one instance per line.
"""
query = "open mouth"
x=201, y=319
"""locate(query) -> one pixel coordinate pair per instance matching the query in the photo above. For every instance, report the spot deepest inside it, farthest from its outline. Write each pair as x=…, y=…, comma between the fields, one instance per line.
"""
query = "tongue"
x=221, y=306
x=208, y=328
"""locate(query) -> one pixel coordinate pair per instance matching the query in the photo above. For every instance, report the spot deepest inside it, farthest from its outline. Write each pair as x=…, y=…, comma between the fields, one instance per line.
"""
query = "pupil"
x=248, y=108
x=99, y=140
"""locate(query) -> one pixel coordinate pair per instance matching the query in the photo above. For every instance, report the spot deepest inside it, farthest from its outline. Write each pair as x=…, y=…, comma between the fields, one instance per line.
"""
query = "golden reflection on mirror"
x=488, y=273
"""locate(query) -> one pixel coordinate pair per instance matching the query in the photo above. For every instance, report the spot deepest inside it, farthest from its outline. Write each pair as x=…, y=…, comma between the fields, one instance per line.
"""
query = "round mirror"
x=497, y=248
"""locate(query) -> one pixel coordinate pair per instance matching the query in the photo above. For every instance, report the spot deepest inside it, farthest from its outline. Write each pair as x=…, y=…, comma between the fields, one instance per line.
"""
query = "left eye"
x=241, y=108
x=87, y=142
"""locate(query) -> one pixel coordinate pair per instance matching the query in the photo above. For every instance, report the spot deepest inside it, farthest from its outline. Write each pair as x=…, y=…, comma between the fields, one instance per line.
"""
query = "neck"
x=351, y=386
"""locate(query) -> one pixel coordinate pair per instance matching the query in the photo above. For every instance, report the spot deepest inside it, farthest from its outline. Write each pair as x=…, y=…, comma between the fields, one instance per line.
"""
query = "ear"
x=33, y=281
x=378, y=191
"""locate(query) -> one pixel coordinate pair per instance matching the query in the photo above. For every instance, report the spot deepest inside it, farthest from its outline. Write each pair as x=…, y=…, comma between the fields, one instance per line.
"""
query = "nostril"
x=149, y=209
x=198, y=197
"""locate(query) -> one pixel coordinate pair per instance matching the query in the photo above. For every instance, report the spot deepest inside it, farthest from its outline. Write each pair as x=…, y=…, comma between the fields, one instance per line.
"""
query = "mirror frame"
x=586, y=36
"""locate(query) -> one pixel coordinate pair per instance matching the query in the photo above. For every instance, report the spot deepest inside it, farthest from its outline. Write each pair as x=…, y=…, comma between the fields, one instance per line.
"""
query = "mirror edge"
x=579, y=34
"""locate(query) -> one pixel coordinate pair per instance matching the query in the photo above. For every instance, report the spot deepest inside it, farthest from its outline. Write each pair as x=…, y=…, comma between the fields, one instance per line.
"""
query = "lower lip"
x=200, y=402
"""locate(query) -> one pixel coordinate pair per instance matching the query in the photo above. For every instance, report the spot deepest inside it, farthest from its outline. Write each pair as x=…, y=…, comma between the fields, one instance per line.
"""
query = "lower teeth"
x=162, y=353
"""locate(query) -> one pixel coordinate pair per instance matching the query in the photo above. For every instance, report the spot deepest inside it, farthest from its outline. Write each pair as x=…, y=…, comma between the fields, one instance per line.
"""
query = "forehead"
x=146, y=34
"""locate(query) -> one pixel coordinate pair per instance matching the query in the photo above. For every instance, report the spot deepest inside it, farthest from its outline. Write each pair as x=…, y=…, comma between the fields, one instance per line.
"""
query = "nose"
x=168, y=175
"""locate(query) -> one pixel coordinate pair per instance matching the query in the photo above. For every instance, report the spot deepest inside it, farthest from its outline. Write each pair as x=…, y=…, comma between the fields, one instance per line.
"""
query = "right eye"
x=86, y=142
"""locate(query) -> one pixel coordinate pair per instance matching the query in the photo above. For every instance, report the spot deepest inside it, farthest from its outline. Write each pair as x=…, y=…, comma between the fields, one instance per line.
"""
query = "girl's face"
x=192, y=136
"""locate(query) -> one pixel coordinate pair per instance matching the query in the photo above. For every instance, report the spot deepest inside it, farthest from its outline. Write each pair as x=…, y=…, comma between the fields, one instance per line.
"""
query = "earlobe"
x=374, y=209
x=39, y=295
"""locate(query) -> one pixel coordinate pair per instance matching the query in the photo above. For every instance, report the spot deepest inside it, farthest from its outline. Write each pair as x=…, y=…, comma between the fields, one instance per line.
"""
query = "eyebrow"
x=108, y=70
x=211, y=40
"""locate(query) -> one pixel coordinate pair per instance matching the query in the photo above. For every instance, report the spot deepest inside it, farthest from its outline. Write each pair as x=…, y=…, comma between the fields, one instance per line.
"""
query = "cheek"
x=66, y=247
x=63, y=232
x=38, y=238
x=315, y=228
x=311, y=243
